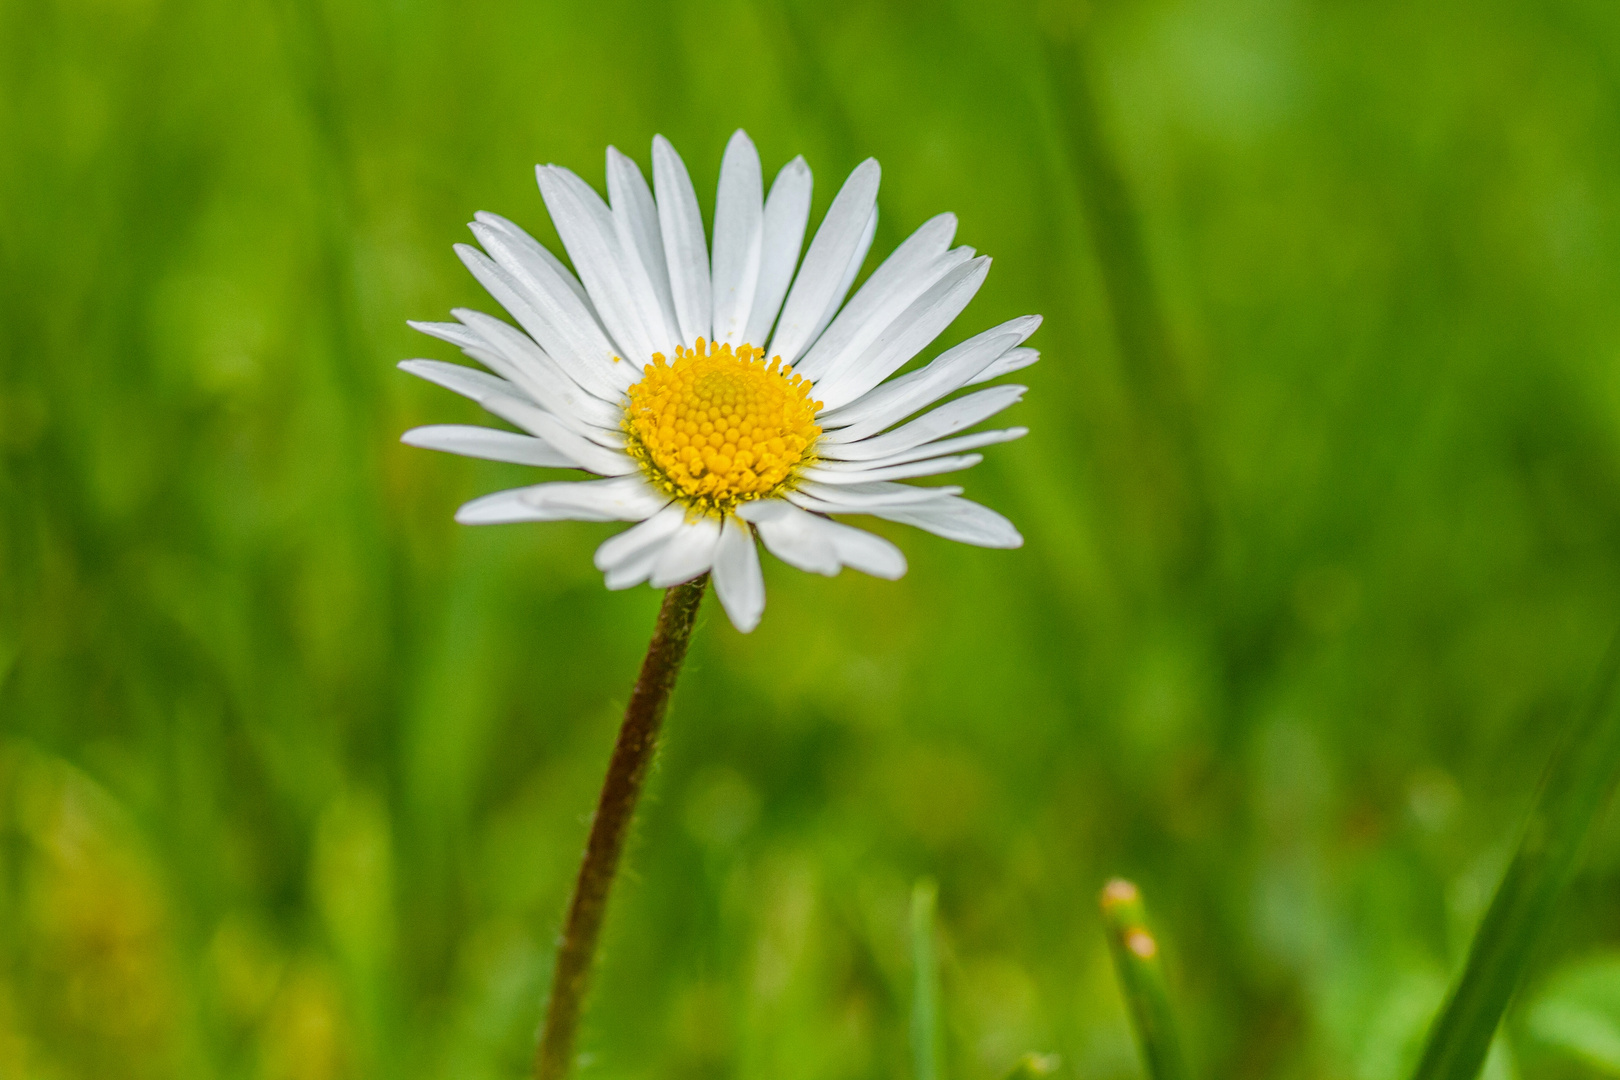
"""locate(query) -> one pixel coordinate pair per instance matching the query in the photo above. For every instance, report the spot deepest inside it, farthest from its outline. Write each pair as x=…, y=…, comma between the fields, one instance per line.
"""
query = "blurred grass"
x=925, y=1040
x=293, y=771
x=1574, y=793
x=1139, y=965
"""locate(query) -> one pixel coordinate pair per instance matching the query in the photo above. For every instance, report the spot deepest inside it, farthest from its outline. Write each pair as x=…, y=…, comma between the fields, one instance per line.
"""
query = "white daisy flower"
x=726, y=393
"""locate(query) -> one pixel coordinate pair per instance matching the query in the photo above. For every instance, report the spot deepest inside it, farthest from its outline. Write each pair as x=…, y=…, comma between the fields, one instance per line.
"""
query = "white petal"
x=853, y=457
x=866, y=552
x=627, y=559
x=592, y=369
x=586, y=454
x=1012, y=360
x=622, y=498
x=791, y=535
x=958, y=519
x=864, y=498
x=737, y=578
x=524, y=371
x=820, y=545
x=601, y=376
x=688, y=553
x=848, y=279
x=521, y=236
x=504, y=400
x=572, y=332
x=826, y=264
x=591, y=236
x=738, y=227
x=909, y=334
x=568, y=500
x=468, y=382
x=911, y=470
x=491, y=444
x=948, y=372
x=636, y=217
x=454, y=333
x=518, y=359
x=501, y=508
x=948, y=419
x=787, y=211
x=501, y=405
x=684, y=248
x=912, y=267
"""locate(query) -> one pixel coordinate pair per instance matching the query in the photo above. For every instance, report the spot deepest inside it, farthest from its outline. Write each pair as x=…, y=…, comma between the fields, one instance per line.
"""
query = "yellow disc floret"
x=719, y=426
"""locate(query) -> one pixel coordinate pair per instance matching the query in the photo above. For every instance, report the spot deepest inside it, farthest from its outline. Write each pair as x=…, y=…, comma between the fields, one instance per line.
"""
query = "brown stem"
x=627, y=771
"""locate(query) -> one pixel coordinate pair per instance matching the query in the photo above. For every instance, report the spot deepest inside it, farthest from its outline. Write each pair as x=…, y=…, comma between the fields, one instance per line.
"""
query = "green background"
x=1322, y=508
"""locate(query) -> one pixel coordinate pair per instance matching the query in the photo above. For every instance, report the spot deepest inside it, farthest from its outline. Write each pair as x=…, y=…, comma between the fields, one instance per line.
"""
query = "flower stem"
x=627, y=772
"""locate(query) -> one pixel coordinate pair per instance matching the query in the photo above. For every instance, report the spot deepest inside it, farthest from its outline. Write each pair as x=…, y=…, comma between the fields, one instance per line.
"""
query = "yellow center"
x=718, y=427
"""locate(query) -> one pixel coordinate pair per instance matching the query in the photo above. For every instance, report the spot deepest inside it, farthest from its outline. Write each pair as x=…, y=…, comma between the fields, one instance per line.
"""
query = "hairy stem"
x=627, y=772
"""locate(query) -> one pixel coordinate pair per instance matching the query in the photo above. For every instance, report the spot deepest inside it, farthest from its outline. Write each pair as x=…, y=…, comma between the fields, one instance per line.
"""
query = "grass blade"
x=1141, y=977
x=925, y=990
x=1573, y=792
x=1154, y=377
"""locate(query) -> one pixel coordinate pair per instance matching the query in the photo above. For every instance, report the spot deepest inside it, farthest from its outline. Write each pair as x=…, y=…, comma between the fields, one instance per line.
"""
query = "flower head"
x=729, y=394
x=719, y=427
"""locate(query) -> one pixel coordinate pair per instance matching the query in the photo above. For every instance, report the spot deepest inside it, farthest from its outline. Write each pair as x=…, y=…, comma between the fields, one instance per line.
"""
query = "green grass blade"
x=1153, y=372
x=1573, y=792
x=925, y=990
x=1141, y=977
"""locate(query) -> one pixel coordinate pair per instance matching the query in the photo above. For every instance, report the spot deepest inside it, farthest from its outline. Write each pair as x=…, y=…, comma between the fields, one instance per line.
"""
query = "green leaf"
x=1579, y=1012
x=1573, y=792
x=1140, y=968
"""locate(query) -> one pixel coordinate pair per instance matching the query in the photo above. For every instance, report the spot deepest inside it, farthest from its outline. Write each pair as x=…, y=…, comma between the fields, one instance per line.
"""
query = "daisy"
x=726, y=392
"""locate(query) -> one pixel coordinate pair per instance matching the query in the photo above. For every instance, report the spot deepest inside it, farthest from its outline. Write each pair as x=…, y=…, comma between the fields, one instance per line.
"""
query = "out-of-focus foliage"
x=1571, y=798
x=1580, y=1011
x=294, y=771
x=1139, y=962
